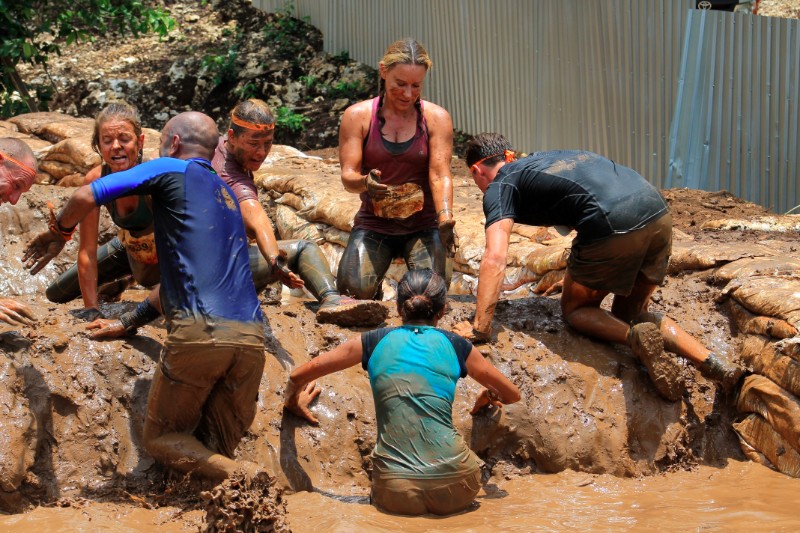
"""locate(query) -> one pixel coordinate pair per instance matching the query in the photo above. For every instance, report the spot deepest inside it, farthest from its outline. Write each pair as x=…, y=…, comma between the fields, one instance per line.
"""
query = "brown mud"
x=589, y=412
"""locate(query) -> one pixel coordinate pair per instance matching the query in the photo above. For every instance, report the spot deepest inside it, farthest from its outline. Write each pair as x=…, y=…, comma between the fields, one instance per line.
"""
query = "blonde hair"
x=404, y=52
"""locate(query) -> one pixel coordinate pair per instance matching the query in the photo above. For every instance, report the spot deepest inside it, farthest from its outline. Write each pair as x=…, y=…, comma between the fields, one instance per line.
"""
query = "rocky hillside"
x=219, y=53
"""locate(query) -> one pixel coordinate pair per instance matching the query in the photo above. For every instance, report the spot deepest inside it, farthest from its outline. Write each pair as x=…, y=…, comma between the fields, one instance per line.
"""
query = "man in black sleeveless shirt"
x=623, y=244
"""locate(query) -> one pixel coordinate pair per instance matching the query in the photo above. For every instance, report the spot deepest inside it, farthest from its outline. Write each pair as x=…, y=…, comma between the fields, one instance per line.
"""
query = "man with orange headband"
x=623, y=245
x=17, y=172
x=295, y=263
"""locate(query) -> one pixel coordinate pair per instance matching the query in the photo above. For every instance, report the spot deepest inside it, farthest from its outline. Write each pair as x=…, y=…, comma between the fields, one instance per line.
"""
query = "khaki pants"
x=205, y=389
x=421, y=496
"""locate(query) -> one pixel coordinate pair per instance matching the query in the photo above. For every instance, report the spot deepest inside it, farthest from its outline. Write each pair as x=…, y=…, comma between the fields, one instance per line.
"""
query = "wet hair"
x=19, y=150
x=421, y=295
x=487, y=145
x=251, y=110
x=120, y=110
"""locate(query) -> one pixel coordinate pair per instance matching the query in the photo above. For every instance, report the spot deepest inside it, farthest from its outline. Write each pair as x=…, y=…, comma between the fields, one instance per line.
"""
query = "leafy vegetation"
x=287, y=118
x=35, y=30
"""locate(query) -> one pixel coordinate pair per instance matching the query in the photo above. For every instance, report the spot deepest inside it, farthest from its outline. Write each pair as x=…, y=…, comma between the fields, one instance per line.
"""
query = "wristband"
x=143, y=314
x=56, y=228
x=492, y=395
x=445, y=210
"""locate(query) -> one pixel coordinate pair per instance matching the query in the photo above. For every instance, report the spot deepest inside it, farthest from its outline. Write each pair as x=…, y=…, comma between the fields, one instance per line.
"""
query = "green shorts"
x=613, y=264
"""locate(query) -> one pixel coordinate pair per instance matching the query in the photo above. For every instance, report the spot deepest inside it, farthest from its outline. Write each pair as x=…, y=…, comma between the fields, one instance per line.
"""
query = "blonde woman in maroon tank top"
x=395, y=144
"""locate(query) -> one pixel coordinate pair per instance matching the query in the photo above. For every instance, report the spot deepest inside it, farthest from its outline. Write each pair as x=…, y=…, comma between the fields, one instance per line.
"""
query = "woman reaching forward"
x=420, y=462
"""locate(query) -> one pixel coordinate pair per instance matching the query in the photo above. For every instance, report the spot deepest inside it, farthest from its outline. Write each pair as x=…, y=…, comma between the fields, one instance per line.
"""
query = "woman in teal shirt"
x=420, y=462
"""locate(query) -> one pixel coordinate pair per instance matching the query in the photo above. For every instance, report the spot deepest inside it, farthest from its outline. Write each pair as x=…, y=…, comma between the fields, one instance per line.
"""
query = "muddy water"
x=741, y=496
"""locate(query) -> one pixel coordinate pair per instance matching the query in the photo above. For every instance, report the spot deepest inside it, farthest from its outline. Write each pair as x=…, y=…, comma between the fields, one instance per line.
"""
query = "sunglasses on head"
x=509, y=155
x=28, y=171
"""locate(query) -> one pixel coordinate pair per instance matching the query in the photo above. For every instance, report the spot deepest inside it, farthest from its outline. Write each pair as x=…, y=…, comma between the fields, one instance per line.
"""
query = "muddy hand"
x=41, y=250
x=482, y=401
x=13, y=312
x=284, y=275
x=375, y=189
x=448, y=236
x=299, y=402
x=465, y=329
x=107, y=329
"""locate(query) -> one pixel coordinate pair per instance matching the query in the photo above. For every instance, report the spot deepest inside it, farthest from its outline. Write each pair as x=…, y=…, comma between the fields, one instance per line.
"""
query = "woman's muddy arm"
x=352, y=132
x=302, y=389
x=499, y=389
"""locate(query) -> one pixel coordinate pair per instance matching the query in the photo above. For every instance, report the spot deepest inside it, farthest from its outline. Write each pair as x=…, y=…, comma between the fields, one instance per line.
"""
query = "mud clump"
x=249, y=505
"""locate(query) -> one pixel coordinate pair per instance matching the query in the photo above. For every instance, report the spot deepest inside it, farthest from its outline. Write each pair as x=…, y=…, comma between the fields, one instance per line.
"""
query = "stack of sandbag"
x=71, y=155
x=762, y=294
x=770, y=431
x=313, y=205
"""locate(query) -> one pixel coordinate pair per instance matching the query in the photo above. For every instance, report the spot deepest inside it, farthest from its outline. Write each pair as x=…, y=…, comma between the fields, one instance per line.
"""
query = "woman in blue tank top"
x=420, y=462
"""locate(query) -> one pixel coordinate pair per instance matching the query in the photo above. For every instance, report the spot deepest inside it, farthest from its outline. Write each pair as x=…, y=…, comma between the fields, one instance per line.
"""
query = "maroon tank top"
x=409, y=166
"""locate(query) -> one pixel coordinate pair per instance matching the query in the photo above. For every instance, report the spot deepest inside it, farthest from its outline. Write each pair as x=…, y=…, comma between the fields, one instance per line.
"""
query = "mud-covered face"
x=250, y=148
x=119, y=145
x=15, y=179
x=403, y=83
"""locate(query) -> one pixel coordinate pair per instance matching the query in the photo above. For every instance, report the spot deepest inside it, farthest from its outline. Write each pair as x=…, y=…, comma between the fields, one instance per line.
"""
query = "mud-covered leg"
x=307, y=260
x=175, y=407
x=364, y=264
x=112, y=264
x=425, y=250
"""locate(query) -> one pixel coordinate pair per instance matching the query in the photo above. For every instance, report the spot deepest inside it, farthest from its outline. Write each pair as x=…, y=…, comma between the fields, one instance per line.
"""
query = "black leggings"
x=369, y=255
x=303, y=257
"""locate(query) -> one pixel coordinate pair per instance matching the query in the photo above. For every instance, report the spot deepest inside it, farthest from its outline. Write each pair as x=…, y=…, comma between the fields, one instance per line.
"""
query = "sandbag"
x=52, y=126
x=765, y=359
x=289, y=226
x=768, y=296
x=70, y=156
x=755, y=433
x=692, y=256
x=780, y=224
x=756, y=266
x=780, y=408
x=749, y=323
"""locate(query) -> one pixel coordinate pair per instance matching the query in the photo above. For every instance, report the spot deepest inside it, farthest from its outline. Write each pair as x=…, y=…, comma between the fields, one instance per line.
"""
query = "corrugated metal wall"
x=599, y=75
x=736, y=114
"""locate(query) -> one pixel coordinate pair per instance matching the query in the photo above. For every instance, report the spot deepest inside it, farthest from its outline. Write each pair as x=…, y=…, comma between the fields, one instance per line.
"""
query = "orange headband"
x=509, y=155
x=251, y=125
x=29, y=172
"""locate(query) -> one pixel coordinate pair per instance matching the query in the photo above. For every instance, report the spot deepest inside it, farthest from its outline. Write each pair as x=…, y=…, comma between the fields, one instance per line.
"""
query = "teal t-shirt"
x=413, y=371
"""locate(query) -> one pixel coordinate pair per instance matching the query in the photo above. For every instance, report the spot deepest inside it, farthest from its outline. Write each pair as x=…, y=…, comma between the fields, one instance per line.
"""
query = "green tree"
x=34, y=30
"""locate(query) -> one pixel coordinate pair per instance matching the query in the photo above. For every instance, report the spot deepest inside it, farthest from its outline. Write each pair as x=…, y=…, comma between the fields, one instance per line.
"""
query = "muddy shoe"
x=349, y=313
x=663, y=367
x=725, y=373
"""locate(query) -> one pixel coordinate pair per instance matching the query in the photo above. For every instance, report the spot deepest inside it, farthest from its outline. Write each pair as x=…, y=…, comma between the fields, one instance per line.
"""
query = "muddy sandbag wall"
x=760, y=288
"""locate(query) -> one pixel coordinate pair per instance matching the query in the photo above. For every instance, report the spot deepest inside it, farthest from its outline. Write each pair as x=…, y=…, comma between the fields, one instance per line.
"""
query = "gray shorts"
x=614, y=264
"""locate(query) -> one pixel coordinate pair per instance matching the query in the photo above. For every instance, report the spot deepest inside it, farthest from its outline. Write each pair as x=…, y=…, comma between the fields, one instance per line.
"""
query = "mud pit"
x=588, y=409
